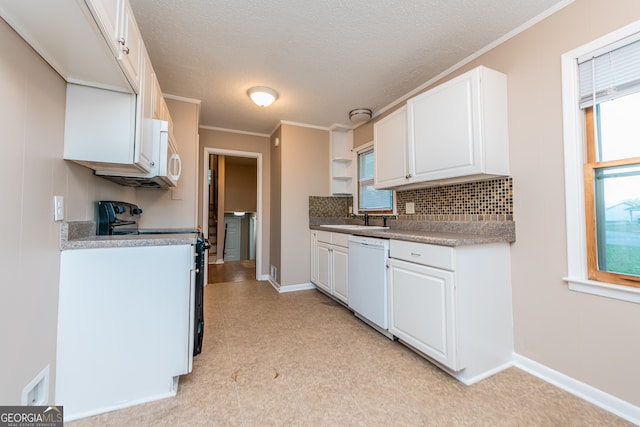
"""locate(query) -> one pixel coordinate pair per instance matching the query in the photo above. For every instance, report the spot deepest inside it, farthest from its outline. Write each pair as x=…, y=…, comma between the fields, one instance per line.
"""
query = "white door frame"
x=208, y=151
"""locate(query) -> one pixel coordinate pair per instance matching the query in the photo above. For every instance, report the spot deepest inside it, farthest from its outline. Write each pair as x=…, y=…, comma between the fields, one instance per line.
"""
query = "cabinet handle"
x=415, y=254
x=408, y=176
x=121, y=41
x=126, y=50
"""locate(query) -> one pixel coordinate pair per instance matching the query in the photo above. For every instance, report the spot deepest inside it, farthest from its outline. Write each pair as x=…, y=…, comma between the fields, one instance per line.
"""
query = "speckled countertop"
x=443, y=233
x=82, y=235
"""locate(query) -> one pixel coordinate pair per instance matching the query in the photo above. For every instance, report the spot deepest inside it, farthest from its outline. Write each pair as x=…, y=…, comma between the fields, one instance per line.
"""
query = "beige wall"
x=32, y=134
x=176, y=207
x=305, y=153
x=275, y=244
x=210, y=138
x=240, y=186
x=592, y=339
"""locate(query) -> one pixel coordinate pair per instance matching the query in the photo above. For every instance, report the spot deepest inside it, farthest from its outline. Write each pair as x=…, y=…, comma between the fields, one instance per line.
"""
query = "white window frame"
x=356, y=206
x=574, y=159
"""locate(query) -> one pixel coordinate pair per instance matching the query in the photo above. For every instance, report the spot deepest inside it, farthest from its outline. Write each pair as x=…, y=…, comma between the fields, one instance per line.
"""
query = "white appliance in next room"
x=166, y=165
x=368, y=281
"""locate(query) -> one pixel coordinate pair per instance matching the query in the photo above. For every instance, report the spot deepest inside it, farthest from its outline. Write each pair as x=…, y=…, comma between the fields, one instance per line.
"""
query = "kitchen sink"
x=355, y=227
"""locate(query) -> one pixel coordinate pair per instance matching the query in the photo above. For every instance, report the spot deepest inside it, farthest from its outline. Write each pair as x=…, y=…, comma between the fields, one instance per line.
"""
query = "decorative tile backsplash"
x=329, y=206
x=490, y=200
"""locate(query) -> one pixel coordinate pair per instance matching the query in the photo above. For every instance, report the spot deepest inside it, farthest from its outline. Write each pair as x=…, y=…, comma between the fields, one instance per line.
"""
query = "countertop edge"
x=451, y=239
x=81, y=235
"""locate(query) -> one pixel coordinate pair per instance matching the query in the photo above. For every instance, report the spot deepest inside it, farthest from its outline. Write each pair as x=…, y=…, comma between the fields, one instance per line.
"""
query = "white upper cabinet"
x=143, y=152
x=118, y=25
x=458, y=130
x=108, y=16
x=65, y=34
x=104, y=136
x=455, y=132
x=97, y=48
x=390, y=148
x=115, y=135
x=131, y=52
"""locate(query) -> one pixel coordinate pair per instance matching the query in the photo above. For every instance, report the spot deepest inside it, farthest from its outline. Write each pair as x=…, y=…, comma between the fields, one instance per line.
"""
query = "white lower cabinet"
x=423, y=310
x=453, y=305
x=330, y=263
x=340, y=272
x=123, y=338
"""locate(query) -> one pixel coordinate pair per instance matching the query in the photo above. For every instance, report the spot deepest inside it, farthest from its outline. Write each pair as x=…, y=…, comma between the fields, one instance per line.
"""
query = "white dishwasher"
x=368, y=281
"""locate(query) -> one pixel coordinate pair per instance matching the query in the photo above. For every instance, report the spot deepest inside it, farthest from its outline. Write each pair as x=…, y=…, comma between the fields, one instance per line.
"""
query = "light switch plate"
x=410, y=207
x=58, y=208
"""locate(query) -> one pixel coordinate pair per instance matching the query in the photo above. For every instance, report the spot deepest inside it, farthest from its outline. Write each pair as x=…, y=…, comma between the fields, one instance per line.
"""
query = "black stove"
x=122, y=218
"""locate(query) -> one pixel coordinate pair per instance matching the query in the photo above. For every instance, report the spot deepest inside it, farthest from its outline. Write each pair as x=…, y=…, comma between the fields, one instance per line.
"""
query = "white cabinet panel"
x=118, y=25
x=422, y=310
x=108, y=14
x=458, y=131
x=341, y=273
x=455, y=132
x=324, y=267
x=122, y=338
x=314, y=256
x=100, y=129
x=453, y=305
x=442, y=125
x=390, y=148
x=66, y=35
x=144, y=146
x=132, y=48
x=330, y=263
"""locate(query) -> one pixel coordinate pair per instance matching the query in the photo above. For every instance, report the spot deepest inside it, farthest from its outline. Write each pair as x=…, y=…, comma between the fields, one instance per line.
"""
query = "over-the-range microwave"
x=166, y=165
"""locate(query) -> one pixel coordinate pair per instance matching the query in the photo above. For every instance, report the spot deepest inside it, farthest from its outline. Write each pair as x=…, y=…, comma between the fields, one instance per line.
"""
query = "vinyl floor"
x=301, y=359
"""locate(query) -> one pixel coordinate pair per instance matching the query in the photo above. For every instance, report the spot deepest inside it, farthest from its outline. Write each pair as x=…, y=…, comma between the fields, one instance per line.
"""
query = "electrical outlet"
x=36, y=393
x=410, y=208
x=58, y=208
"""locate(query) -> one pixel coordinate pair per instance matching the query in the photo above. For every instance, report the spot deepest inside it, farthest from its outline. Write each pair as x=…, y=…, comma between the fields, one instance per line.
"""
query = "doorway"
x=214, y=210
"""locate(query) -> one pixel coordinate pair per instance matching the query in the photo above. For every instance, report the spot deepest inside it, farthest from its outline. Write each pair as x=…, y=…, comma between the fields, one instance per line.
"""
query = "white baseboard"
x=110, y=408
x=264, y=277
x=291, y=288
x=275, y=284
x=606, y=401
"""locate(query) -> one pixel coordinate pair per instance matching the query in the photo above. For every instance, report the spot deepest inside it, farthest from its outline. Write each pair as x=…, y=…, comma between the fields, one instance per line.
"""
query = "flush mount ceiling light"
x=360, y=115
x=262, y=96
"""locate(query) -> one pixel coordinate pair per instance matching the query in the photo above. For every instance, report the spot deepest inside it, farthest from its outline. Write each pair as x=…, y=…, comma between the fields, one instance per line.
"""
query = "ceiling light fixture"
x=360, y=115
x=262, y=96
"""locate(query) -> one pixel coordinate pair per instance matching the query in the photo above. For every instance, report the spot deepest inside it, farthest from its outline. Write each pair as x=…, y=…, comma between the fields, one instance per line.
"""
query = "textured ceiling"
x=324, y=57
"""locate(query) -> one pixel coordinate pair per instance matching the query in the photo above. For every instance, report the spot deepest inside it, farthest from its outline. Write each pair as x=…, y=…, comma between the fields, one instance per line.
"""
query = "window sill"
x=623, y=293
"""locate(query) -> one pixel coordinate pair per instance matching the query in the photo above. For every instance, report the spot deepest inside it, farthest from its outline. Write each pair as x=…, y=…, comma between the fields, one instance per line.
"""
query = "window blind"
x=610, y=72
x=371, y=199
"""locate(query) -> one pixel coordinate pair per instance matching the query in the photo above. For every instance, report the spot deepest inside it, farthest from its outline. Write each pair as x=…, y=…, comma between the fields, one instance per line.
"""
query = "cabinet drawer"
x=324, y=236
x=340, y=239
x=420, y=253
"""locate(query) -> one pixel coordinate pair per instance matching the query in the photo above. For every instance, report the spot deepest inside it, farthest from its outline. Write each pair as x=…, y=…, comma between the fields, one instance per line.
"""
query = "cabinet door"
x=444, y=130
x=108, y=15
x=144, y=137
x=130, y=56
x=159, y=104
x=314, y=257
x=324, y=267
x=422, y=310
x=341, y=273
x=390, y=148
